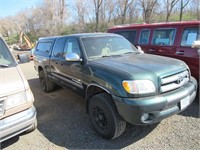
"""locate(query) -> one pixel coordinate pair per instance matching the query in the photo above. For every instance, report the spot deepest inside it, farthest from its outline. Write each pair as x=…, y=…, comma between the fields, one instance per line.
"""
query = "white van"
x=17, y=113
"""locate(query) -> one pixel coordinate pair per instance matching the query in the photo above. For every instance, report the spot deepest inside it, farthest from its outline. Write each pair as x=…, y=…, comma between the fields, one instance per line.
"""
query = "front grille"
x=1, y=106
x=174, y=81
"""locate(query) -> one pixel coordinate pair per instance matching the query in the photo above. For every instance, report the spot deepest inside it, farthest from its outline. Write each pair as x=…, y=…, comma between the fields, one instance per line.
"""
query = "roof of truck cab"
x=79, y=35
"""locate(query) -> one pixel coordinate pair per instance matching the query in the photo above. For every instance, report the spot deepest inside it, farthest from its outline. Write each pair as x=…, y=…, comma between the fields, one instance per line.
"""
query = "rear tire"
x=104, y=116
x=47, y=85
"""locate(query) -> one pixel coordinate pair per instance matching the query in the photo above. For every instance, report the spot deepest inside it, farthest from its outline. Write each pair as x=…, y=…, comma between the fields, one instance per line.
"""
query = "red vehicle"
x=172, y=39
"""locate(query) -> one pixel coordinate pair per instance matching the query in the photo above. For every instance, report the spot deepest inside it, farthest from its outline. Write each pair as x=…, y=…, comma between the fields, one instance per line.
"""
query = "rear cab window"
x=189, y=36
x=129, y=35
x=164, y=37
x=44, y=47
x=144, y=37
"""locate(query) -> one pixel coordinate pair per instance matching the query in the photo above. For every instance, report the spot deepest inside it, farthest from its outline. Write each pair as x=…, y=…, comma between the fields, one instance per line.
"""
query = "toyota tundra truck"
x=119, y=82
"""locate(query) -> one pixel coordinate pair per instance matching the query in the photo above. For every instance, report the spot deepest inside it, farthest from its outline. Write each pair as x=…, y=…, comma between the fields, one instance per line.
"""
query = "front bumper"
x=16, y=124
x=148, y=110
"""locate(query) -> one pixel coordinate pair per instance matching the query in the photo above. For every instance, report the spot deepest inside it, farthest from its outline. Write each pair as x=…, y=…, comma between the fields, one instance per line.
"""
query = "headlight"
x=29, y=96
x=139, y=86
x=18, y=99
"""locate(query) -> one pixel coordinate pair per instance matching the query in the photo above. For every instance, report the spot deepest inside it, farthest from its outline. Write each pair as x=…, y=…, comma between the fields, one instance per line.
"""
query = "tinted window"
x=144, y=37
x=129, y=35
x=72, y=46
x=189, y=36
x=163, y=37
x=59, y=47
x=44, y=47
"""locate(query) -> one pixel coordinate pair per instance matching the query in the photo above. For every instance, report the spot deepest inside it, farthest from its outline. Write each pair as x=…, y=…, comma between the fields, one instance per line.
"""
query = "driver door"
x=71, y=73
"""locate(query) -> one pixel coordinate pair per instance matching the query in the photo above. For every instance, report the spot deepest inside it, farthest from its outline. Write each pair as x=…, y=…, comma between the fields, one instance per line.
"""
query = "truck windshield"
x=6, y=60
x=106, y=46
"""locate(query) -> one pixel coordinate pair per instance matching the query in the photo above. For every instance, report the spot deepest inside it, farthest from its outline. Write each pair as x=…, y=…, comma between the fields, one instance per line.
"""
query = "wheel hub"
x=100, y=118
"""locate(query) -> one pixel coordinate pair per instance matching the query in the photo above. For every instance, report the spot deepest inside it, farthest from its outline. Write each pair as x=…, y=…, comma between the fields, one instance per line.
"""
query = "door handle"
x=152, y=50
x=180, y=53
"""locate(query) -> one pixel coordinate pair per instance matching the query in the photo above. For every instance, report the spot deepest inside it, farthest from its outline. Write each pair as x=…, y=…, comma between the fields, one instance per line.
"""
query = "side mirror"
x=23, y=58
x=140, y=49
x=72, y=57
x=196, y=44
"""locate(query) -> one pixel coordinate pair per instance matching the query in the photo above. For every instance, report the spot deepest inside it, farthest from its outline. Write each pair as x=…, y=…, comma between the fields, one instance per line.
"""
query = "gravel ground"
x=64, y=124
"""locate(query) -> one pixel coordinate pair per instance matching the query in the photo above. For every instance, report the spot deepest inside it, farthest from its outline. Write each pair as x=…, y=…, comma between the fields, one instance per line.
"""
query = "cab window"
x=163, y=37
x=189, y=36
x=129, y=35
x=59, y=47
x=72, y=46
x=44, y=47
x=144, y=37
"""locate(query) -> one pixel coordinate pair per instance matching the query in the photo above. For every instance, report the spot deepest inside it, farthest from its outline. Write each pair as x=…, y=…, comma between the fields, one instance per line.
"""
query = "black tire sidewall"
x=44, y=86
x=101, y=102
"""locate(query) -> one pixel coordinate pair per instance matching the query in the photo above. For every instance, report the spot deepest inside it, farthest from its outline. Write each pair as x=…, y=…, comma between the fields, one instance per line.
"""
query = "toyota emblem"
x=180, y=79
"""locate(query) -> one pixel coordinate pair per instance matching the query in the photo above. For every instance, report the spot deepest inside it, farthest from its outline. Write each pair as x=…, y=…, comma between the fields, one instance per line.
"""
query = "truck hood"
x=11, y=81
x=142, y=65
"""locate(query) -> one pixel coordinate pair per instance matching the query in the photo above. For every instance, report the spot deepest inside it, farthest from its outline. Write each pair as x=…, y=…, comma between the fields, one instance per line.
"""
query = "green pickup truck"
x=119, y=82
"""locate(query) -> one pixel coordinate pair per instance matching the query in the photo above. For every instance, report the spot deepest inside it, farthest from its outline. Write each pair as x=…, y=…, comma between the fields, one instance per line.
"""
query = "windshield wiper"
x=132, y=52
x=111, y=56
x=128, y=52
x=106, y=56
x=4, y=66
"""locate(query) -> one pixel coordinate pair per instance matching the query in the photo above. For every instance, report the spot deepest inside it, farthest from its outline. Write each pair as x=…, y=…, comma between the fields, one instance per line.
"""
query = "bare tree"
x=182, y=6
x=133, y=12
x=53, y=16
x=148, y=7
x=8, y=28
x=49, y=17
x=61, y=11
x=81, y=8
x=97, y=6
x=110, y=7
x=5, y=32
x=194, y=9
x=169, y=5
x=197, y=9
x=123, y=6
x=102, y=12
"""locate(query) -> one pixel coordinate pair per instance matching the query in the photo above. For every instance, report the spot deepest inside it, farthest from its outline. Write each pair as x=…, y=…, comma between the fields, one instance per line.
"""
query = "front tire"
x=47, y=85
x=104, y=116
